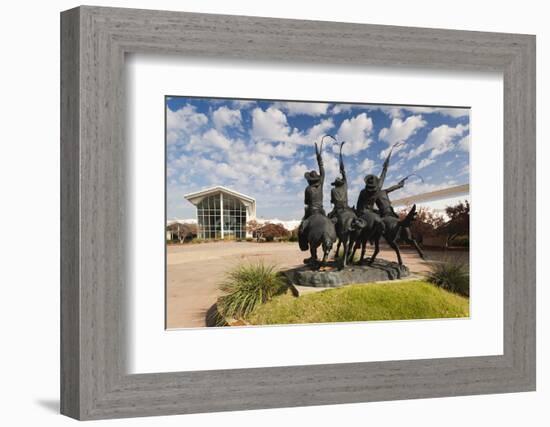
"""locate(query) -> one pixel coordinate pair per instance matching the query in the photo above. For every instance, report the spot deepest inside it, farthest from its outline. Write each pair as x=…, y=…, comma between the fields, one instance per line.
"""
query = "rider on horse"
x=313, y=196
x=373, y=194
x=339, y=194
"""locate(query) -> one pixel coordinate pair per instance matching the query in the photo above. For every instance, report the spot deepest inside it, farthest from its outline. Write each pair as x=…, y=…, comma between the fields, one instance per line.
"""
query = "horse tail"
x=303, y=242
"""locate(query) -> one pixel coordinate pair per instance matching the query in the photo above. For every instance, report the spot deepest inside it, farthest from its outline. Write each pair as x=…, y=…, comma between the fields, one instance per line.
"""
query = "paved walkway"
x=194, y=272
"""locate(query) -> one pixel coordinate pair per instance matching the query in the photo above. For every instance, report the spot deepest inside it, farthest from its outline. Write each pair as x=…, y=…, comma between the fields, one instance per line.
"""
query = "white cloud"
x=213, y=138
x=282, y=149
x=243, y=104
x=225, y=171
x=401, y=130
x=423, y=163
x=225, y=117
x=183, y=123
x=272, y=126
x=316, y=132
x=464, y=143
x=356, y=133
x=393, y=112
x=269, y=125
x=211, y=141
x=302, y=108
x=341, y=108
x=439, y=141
x=332, y=164
x=451, y=112
x=186, y=119
x=366, y=166
x=296, y=172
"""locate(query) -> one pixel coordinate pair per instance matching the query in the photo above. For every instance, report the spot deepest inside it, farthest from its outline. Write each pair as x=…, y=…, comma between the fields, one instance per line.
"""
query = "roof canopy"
x=197, y=196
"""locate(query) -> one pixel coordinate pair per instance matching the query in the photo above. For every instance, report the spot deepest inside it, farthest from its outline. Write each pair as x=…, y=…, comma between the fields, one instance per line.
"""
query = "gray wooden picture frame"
x=94, y=382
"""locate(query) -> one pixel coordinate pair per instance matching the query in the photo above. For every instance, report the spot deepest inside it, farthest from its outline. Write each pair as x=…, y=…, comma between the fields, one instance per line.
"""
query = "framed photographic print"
x=236, y=170
x=347, y=211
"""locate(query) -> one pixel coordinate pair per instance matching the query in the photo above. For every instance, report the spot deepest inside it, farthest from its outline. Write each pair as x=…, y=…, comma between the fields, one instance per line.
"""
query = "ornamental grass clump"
x=452, y=275
x=248, y=286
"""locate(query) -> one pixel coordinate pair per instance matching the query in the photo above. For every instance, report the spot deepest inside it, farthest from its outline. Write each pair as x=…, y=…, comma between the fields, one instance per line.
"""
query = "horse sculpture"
x=348, y=229
x=392, y=228
x=395, y=229
x=372, y=231
x=319, y=231
x=351, y=229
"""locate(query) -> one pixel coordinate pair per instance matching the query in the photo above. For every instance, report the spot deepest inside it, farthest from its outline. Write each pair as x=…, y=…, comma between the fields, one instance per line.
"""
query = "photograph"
x=286, y=212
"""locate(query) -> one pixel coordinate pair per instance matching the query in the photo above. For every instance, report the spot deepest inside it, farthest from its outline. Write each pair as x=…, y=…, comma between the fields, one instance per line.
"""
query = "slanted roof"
x=197, y=196
x=456, y=191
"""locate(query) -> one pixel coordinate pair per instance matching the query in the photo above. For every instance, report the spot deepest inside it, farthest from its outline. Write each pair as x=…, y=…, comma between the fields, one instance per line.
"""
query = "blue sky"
x=262, y=149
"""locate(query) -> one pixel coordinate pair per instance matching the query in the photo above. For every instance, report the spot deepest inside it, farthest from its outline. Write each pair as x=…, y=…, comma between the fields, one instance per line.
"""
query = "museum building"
x=222, y=212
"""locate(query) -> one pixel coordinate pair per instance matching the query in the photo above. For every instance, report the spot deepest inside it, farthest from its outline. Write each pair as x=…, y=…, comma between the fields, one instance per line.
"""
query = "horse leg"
x=376, y=250
x=396, y=249
x=313, y=252
x=351, y=253
x=327, y=247
x=346, y=248
x=355, y=247
x=363, y=250
x=409, y=239
x=337, y=248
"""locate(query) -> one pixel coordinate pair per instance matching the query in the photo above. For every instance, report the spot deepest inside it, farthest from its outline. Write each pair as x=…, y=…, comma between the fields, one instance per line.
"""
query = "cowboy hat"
x=371, y=182
x=338, y=182
x=312, y=176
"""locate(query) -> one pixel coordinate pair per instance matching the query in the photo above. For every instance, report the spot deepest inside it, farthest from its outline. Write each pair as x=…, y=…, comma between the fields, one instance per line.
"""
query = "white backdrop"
x=29, y=168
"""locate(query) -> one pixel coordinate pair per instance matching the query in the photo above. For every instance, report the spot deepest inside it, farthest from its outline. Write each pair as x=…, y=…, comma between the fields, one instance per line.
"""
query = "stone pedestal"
x=331, y=277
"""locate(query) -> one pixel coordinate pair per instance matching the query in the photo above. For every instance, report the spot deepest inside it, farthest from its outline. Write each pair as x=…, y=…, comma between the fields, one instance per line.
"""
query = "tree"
x=253, y=227
x=272, y=231
x=426, y=223
x=182, y=232
x=459, y=221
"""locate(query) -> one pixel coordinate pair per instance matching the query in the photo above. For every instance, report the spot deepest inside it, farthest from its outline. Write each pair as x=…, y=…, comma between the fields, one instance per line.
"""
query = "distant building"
x=222, y=212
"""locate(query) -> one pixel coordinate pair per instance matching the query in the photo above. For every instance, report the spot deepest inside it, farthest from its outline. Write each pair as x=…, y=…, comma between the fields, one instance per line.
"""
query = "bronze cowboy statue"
x=316, y=229
x=348, y=225
x=313, y=196
x=373, y=194
x=339, y=192
x=393, y=228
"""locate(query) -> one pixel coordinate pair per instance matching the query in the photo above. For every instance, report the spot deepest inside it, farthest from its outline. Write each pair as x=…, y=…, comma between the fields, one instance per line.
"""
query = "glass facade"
x=209, y=217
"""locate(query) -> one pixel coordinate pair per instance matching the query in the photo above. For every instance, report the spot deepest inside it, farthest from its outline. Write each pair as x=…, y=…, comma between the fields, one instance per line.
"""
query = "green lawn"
x=378, y=301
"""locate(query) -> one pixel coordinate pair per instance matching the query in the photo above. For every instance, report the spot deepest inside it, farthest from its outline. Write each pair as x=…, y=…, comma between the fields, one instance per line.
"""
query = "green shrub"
x=248, y=286
x=450, y=274
x=461, y=241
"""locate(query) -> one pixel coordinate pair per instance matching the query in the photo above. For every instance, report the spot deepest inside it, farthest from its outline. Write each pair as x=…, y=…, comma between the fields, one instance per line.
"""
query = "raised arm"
x=342, y=169
x=382, y=177
x=320, y=163
x=397, y=186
